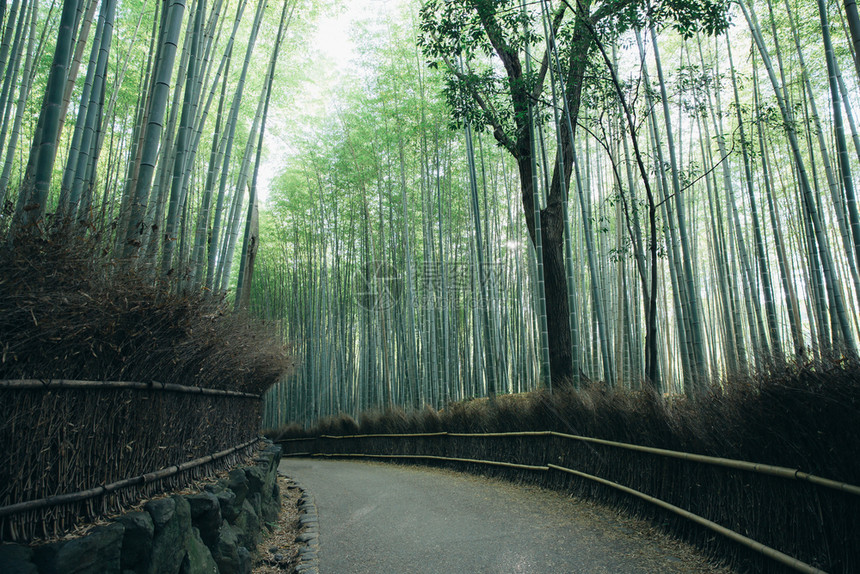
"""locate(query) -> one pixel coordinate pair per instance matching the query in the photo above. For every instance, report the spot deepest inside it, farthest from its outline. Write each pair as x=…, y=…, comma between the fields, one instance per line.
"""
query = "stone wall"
x=211, y=532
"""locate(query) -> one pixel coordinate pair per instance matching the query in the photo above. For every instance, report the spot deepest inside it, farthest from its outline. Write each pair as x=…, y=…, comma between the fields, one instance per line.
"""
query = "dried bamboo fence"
x=798, y=521
x=75, y=450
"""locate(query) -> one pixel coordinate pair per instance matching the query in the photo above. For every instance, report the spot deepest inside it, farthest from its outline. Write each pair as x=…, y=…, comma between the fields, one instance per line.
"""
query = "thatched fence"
x=75, y=450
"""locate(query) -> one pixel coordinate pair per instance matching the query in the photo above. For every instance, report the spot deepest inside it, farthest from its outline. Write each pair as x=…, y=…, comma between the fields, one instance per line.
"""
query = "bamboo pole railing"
x=780, y=471
x=763, y=549
x=51, y=384
x=108, y=488
x=434, y=457
x=772, y=553
x=770, y=470
x=759, y=468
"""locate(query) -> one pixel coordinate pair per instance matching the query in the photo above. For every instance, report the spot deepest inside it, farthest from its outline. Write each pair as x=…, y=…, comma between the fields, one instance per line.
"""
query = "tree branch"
x=544, y=65
x=485, y=105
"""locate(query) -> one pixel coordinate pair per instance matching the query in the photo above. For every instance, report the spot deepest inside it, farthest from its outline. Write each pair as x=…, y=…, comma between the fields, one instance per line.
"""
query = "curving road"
x=379, y=518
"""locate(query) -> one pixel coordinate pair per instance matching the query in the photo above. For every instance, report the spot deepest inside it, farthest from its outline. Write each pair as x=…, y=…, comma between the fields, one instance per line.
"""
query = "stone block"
x=137, y=540
x=161, y=510
x=256, y=476
x=17, y=559
x=226, y=553
x=170, y=541
x=198, y=559
x=238, y=483
x=96, y=553
x=229, y=507
x=245, y=561
x=247, y=526
x=206, y=516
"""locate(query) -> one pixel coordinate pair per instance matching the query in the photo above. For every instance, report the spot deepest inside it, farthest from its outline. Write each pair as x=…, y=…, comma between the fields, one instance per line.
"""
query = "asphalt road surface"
x=380, y=518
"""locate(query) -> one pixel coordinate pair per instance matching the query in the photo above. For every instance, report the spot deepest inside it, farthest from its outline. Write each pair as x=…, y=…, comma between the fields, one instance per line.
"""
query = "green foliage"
x=466, y=39
x=480, y=43
x=687, y=17
x=464, y=28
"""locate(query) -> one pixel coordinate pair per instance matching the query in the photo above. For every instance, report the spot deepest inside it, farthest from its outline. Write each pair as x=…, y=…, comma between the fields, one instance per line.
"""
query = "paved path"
x=379, y=518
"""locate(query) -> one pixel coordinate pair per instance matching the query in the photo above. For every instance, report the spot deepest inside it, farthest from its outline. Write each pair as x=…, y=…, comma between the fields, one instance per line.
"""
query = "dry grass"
x=278, y=551
x=68, y=311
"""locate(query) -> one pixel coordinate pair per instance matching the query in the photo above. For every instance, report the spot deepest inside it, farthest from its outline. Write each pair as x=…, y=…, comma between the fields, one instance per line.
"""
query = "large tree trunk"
x=552, y=216
x=555, y=286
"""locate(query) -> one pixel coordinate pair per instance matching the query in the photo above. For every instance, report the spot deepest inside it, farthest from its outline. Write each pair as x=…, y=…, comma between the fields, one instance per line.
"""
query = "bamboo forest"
x=439, y=200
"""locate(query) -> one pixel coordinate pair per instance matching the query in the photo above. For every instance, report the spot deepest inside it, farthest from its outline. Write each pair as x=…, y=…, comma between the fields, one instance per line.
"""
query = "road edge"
x=308, y=538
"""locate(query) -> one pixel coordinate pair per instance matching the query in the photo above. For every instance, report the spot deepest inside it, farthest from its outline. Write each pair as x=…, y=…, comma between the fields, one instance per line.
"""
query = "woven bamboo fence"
x=791, y=519
x=76, y=450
